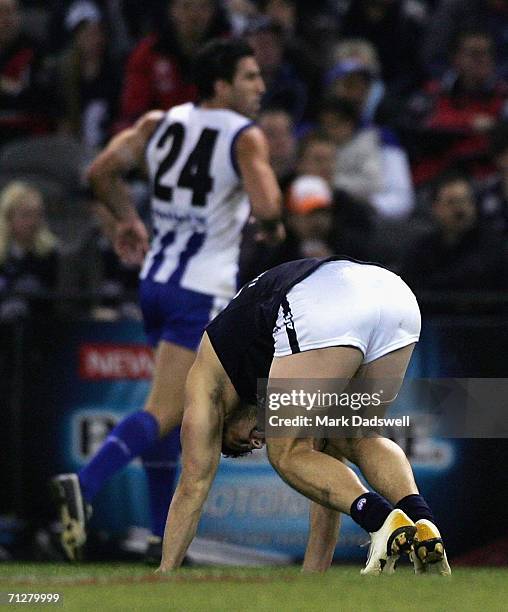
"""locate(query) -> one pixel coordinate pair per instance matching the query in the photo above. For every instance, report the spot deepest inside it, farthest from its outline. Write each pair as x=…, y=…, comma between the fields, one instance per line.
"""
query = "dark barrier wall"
x=65, y=384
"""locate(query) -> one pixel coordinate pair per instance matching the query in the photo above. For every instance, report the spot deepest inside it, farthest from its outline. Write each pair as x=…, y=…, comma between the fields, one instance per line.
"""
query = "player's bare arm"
x=324, y=525
x=124, y=152
x=201, y=437
x=260, y=182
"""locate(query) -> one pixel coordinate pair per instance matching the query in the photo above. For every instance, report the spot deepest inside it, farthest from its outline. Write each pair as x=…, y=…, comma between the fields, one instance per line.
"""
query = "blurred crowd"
x=387, y=122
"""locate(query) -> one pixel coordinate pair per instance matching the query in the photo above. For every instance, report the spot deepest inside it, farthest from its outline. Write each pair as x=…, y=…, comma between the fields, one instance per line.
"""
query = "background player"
x=306, y=319
x=206, y=162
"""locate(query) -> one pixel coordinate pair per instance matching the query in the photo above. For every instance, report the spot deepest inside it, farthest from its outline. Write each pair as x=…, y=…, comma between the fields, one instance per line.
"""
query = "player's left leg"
x=174, y=318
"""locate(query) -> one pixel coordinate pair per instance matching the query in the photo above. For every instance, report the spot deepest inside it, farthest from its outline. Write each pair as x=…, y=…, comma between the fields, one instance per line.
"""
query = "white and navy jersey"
x=199, y=207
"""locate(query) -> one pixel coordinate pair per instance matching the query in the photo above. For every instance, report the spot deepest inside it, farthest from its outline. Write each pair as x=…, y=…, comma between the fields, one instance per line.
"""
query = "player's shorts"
x=344, y=303
x=176, y=315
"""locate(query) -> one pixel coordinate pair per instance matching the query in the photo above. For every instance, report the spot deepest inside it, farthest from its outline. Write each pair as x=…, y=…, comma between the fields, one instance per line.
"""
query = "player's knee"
x=282, y=453
x=352, y=449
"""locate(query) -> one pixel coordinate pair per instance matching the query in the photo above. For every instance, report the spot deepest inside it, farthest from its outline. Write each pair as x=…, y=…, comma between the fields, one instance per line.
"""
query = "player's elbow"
x=194, y=485
x=96, y=172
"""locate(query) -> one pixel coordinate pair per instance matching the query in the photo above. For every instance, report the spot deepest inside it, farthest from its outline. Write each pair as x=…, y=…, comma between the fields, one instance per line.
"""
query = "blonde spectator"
x=28, y=251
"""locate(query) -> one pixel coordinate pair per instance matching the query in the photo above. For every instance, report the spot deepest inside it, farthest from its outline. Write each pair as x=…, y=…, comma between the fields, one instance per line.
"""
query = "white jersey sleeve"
x=199, y=207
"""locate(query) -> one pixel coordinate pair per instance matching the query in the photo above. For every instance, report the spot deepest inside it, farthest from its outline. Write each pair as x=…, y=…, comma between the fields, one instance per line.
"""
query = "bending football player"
x=336, y=319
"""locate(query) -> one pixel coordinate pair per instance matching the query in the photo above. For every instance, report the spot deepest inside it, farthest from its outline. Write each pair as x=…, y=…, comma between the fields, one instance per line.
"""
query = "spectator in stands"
x=284, y=85
x=240, y=13
x=358, y=164
x=88, y=79
x=24, y=96
x=355, y=76
x=452, y=16
x=316, y=156
x=494, y=192
x=304, y=47
x=449, y=119
x=310, y=217
x=278, y=128
x=28, y=253
x=158, y=73
x=394, y=27
x=459, y=251
x=126, y=21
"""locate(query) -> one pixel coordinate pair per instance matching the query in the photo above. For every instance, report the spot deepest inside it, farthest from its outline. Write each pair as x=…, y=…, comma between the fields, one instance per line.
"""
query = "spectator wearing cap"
x=322, y=221
x=284, y=85
x=88, y=78
x=158, y=73
x=355, y=77
x=310, y=216
x=25, y=101
x=356, y=74
x=459, y=251
x=125, y=21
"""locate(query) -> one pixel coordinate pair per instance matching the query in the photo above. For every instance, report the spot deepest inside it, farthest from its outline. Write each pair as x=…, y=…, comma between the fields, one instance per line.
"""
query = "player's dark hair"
x=217, y=60
x=243, y=411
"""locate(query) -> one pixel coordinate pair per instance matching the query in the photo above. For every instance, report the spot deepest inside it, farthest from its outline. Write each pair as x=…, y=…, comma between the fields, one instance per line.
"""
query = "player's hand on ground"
x=131, y=241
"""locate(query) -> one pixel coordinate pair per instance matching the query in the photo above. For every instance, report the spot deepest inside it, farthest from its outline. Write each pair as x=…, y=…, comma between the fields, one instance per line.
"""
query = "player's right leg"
x=323, y=478
x=386, y=468
x=132, y=437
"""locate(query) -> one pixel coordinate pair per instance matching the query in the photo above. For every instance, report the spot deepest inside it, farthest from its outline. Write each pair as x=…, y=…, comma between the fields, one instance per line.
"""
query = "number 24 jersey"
x=199, y=206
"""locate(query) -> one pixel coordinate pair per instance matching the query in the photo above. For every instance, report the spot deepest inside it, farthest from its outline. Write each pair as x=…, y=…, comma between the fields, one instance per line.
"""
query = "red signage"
x=115, y=362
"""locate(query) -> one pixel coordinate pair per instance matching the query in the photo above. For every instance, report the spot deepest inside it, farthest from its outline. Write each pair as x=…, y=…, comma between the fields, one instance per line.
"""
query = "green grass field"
x=128, y=587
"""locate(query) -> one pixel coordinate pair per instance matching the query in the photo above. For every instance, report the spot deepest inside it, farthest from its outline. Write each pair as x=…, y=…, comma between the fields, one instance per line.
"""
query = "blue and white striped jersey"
x=199, y=206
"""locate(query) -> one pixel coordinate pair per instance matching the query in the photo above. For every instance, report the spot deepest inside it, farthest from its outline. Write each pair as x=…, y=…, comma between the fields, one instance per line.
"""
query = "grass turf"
x=130, y=587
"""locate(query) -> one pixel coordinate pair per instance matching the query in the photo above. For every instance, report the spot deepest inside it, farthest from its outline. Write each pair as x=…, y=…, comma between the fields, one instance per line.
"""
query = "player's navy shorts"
x=176, y=315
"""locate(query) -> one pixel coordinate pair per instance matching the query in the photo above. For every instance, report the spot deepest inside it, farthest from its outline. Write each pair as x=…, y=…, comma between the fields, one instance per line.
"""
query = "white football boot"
x=395, y=537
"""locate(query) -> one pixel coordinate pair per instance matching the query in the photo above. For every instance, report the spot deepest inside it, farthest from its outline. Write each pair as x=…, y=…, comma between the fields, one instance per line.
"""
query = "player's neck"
x=214, y=104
